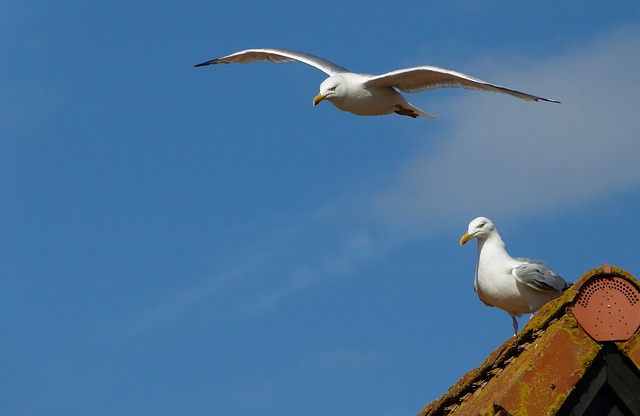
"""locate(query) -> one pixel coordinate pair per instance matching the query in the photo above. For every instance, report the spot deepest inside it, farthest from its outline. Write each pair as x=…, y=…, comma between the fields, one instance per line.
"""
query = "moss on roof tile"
x=532, y=366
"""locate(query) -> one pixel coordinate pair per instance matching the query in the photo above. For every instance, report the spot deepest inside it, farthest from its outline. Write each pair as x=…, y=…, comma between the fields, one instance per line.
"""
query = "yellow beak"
x=318, y=98
x=466, y=237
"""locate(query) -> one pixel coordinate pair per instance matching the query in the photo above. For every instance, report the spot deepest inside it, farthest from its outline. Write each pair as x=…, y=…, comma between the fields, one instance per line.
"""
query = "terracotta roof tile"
x=535, y=372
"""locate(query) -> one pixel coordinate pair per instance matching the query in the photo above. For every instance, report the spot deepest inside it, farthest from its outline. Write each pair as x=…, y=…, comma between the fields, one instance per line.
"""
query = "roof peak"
x=535, y=372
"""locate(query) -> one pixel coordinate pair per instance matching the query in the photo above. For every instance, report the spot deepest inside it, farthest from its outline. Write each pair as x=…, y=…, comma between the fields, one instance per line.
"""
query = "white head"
x=331, y=88
x=479, y=228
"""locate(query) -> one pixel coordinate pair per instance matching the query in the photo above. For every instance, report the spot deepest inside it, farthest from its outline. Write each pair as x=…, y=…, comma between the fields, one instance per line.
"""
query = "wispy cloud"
x=341, y=359
x=262, y=275
x=22, y=105
x=163, y=309
x=530, y=157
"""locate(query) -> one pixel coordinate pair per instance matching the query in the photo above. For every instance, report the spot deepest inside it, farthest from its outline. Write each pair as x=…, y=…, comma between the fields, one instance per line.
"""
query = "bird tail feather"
x=421, y=112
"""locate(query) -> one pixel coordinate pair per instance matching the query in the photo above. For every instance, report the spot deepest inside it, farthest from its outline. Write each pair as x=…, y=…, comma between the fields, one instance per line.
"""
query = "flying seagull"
x=515, y=285
x=372, y=95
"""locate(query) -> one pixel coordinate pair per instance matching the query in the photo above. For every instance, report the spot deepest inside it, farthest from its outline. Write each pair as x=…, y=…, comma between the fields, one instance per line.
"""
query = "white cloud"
x=504, y=157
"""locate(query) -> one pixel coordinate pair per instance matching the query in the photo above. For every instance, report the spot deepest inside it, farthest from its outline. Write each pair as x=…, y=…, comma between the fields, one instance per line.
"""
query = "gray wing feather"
x=536, y=274
x=430, y=77
x=277, y=56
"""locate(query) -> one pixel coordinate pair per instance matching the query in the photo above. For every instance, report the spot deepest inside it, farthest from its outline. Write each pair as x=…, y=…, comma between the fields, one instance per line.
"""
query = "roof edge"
x=551, y=312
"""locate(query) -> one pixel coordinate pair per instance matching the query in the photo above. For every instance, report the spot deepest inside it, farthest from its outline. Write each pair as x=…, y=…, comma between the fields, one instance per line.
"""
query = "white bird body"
x=372, y=95
x=495, y=284
x=516, y=285
x=368, y=100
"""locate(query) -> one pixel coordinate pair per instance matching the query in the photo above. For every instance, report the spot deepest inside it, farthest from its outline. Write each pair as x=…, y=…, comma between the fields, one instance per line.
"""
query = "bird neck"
x=491, y=248
x=493, y=245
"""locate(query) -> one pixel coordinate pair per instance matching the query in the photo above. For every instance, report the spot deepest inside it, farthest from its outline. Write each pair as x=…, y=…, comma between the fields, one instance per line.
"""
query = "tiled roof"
x=535, y=372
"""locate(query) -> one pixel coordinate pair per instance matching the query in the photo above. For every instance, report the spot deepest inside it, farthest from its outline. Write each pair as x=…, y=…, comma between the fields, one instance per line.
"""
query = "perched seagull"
x=517, y=286
x=372, y=95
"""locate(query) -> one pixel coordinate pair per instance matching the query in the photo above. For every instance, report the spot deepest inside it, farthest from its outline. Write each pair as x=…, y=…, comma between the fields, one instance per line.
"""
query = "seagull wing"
x=277, y=56
x=538, y=275
x=430, y=77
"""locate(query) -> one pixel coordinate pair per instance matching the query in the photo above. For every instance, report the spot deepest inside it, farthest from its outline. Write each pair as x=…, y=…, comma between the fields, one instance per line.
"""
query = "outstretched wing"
x=539, y=276
x=430, y=77
x=277, y=56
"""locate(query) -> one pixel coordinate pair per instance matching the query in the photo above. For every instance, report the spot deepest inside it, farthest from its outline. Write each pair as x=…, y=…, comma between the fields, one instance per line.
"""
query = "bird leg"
x=405, y=111
x=515, y=326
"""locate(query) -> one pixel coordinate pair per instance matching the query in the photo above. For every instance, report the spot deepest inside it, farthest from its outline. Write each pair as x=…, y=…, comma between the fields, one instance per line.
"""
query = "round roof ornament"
x=608, y=308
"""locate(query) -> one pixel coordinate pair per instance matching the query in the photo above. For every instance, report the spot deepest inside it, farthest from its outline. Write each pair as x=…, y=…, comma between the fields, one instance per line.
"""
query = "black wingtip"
x=202, y=64
x=549, y=100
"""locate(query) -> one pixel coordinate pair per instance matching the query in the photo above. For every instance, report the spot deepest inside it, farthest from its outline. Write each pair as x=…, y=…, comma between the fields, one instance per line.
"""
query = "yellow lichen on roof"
x=534, y=372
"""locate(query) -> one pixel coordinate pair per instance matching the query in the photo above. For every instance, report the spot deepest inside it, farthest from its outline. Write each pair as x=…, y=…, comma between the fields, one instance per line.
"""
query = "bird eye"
x=481, y=225
x=332, y=89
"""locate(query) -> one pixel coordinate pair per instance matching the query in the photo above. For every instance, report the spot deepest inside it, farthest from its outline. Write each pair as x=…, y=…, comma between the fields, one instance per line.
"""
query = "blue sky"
x=204, y=241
